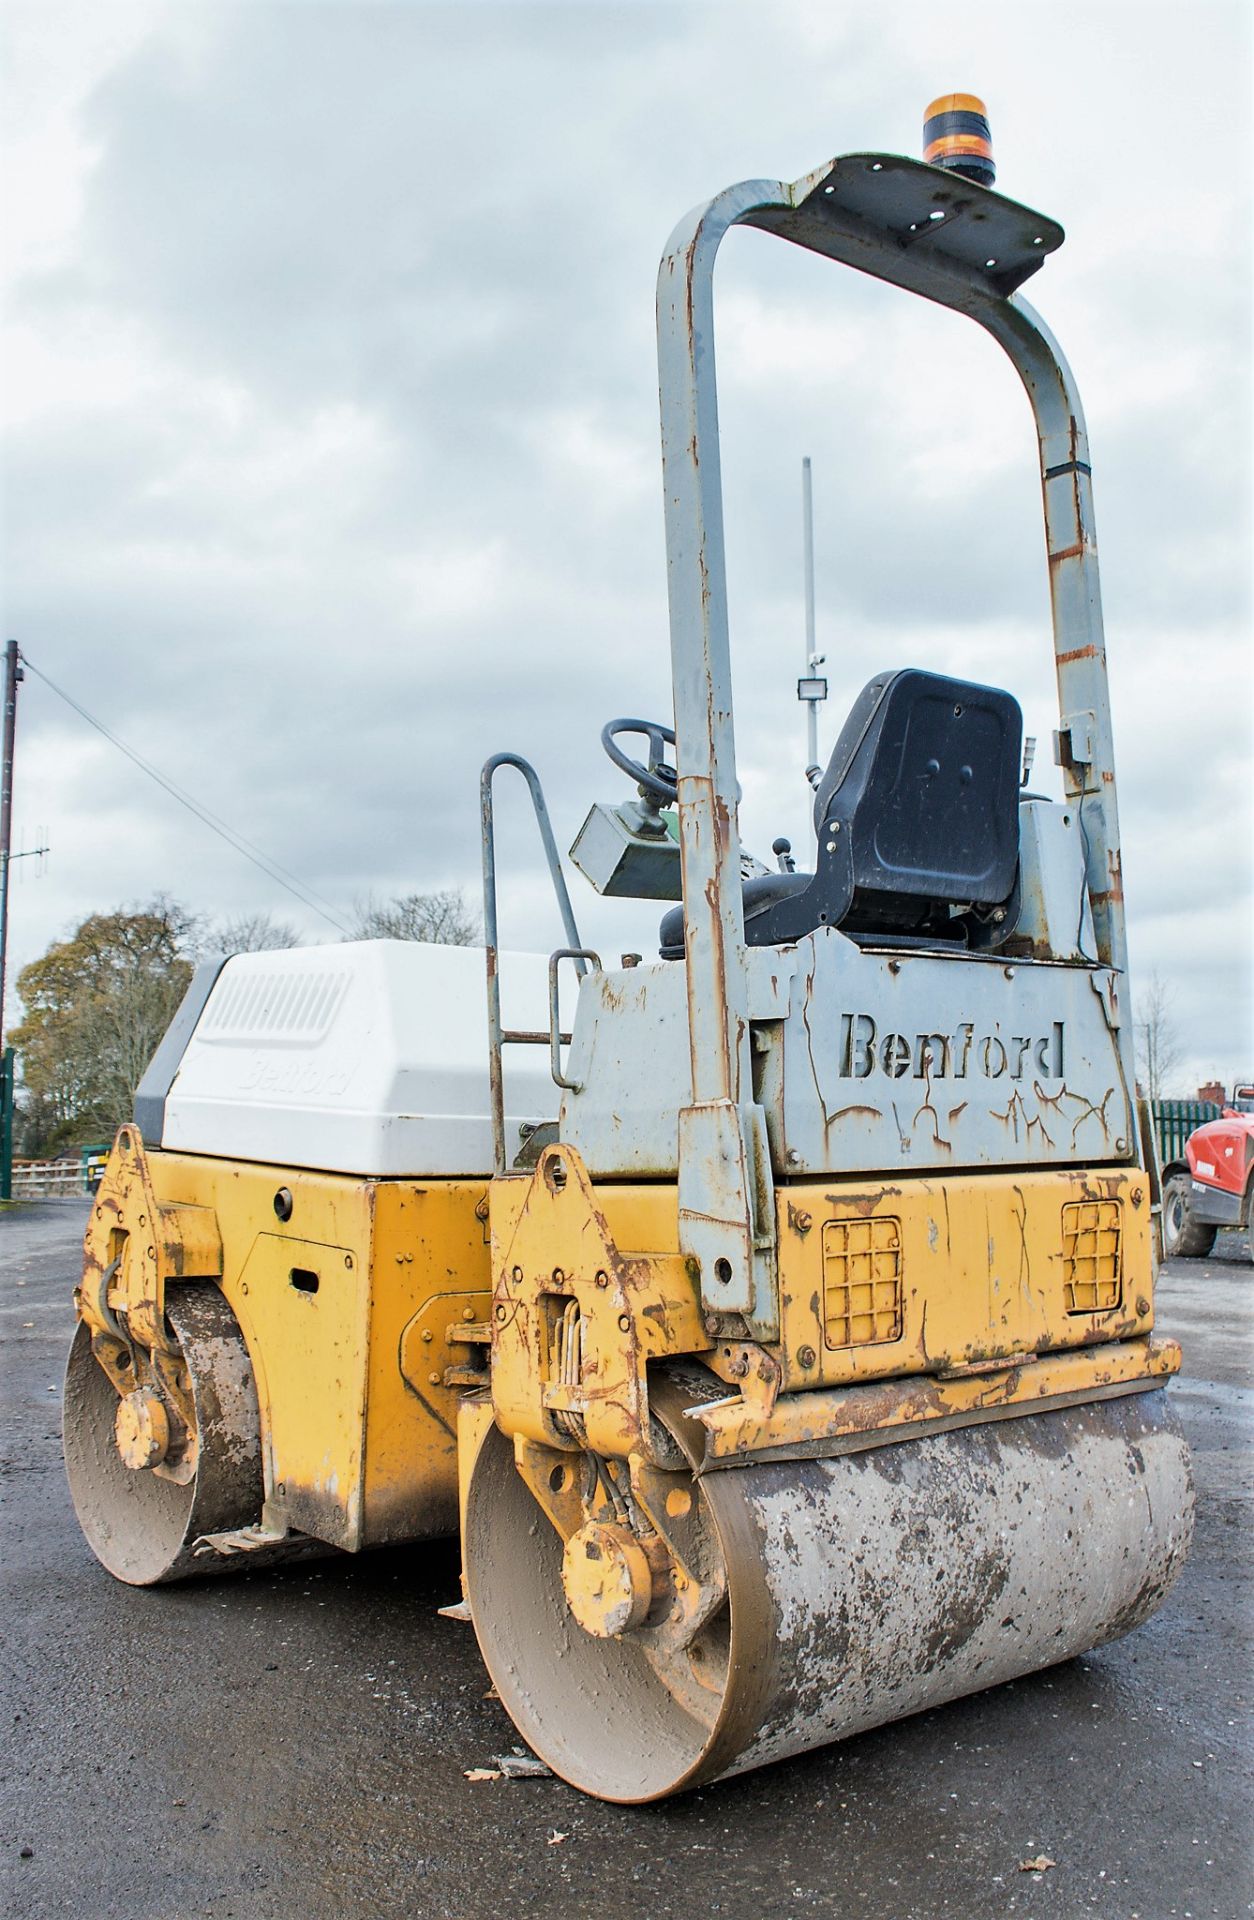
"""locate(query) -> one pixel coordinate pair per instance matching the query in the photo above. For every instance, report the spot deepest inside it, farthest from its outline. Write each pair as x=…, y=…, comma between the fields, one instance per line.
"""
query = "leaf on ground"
x=1040, y=1864
x=556, y=1838
x=482, y=1773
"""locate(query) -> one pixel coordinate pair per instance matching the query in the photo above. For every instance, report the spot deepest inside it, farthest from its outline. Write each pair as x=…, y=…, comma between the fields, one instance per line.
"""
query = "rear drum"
x=143, y=1526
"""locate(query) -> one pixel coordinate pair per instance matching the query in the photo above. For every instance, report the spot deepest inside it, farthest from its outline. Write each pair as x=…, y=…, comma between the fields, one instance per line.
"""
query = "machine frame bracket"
x=134, y=1245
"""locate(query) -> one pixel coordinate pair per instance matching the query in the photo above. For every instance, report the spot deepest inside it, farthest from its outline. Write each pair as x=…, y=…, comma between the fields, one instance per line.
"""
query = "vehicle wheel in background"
x=1182, y=1235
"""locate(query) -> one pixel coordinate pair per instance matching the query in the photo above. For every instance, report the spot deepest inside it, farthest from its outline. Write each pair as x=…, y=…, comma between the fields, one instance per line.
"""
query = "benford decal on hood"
x=964, y=1053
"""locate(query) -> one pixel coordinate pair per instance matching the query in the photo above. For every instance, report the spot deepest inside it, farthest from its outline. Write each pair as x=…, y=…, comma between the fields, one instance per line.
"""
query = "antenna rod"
x=807, y=510
x=811, y=687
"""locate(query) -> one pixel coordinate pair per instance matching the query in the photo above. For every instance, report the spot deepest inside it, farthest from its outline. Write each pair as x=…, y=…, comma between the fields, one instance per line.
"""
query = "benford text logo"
x=947, y=1056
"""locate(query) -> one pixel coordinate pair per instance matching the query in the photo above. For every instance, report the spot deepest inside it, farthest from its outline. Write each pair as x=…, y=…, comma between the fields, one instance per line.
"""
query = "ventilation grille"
x=274, y=1007
x=1092, y=1255
x=861, y=1282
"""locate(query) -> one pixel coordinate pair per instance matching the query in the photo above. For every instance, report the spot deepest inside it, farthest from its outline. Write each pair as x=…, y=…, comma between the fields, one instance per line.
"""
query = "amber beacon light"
x=956, y=137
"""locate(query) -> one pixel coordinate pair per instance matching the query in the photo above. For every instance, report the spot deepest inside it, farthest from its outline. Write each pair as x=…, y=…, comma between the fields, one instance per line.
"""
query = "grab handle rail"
x=497, y=1037
x=556, y=1036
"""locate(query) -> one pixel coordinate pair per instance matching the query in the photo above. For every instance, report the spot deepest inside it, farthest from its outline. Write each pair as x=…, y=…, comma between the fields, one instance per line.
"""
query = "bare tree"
x=253, y=933
x=442, y=918
x=1157, y=1041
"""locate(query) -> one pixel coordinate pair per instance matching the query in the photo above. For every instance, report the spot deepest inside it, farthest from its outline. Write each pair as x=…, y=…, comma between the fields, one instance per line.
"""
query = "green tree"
x=96, y=1006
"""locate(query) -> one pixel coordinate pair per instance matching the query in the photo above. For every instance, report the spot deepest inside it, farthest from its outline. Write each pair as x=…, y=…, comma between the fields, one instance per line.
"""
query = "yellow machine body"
x=972, y=1278
x=366, y=1313
x=353, y=1313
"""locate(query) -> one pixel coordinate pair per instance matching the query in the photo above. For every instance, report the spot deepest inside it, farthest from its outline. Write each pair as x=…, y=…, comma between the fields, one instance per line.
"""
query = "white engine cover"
x=366, y=1058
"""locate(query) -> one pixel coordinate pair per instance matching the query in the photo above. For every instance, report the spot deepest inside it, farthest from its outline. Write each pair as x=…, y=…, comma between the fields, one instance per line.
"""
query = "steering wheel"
x=657, y=780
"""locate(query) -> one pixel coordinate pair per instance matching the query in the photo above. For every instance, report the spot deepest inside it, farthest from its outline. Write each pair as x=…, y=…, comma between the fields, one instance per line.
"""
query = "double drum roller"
x=780, y=1330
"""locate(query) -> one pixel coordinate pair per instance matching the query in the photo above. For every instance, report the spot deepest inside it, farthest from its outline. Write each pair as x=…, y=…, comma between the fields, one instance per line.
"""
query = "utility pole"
x=812, y=687
x=12, y=675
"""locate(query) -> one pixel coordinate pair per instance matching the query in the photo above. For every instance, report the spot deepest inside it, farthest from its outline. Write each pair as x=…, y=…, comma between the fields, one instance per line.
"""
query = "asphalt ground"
x=294, y=1744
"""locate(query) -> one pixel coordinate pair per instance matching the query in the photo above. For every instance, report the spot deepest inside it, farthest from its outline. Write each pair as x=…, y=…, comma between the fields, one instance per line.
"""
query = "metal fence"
x=1174, y=1121
x=59, y=1179
x=46, y=1179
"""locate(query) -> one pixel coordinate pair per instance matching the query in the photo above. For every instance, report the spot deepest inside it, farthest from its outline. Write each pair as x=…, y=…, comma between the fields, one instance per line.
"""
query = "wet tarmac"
x=293, y=1746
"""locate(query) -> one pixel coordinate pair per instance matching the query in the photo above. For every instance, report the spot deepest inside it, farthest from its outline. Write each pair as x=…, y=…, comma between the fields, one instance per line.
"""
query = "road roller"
x=773, y=1317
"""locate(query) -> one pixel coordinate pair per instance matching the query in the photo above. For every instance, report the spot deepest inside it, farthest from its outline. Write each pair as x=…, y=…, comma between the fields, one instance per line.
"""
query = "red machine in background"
x=1216, y=1187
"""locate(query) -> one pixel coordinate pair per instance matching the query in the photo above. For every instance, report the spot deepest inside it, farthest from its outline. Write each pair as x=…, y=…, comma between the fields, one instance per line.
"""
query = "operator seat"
x=917, y=819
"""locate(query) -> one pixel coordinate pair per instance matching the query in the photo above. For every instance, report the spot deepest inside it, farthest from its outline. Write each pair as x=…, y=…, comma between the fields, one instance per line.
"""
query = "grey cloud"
x=445, y=223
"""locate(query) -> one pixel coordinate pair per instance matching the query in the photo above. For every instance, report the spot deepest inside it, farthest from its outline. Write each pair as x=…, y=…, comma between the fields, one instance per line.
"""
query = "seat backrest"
x=918, y=824
x=924, y=784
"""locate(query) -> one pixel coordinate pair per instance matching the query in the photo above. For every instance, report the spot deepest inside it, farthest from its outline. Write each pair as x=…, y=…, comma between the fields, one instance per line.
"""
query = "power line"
x=279, y=874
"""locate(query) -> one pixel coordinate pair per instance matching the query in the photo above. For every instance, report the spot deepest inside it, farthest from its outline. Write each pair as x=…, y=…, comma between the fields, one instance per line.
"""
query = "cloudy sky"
x=332, y=458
